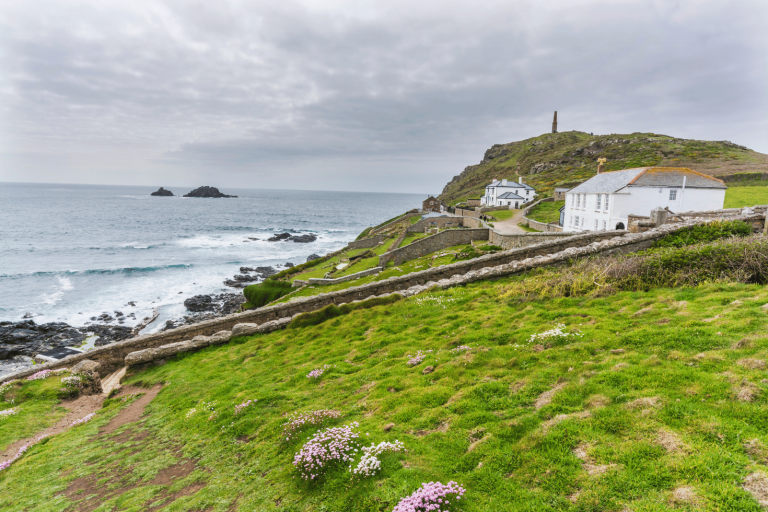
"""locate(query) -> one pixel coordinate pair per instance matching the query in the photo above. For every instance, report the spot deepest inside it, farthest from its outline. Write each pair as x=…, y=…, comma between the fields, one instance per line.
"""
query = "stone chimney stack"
x=601, y=164
x=554, y=123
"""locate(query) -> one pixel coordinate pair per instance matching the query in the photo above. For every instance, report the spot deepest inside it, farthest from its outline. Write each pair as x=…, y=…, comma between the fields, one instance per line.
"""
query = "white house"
x=606, y=200
x=504, y=192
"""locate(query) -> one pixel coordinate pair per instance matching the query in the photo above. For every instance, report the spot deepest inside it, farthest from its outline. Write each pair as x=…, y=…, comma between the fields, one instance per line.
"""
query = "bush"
x=705, y=233
x=259, y=295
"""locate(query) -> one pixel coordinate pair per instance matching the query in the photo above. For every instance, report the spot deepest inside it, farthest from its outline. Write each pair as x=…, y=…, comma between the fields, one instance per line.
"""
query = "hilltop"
x=566, y=159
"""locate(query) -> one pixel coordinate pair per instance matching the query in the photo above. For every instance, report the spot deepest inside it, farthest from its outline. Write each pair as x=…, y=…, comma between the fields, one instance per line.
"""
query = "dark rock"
x=277, y=238
x=313, y=257
x=27, y=315
x=108, y=333
x=26, y=338
x=288, y=264
x=206, y=192
x=199, y=303
x=222, y=304
x=302, y=239
x=246, y=269
x=132, y=303
x=428, y=369
x=104, y=317
x=162, y=192
x=119, y=314
x=265, y=271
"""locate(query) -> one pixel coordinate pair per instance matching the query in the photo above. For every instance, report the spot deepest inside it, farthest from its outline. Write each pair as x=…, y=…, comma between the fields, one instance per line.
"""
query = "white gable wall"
x=637, y=201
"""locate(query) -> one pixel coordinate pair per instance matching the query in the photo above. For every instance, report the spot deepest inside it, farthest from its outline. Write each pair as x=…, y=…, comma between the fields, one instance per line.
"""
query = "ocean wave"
x=125, y=270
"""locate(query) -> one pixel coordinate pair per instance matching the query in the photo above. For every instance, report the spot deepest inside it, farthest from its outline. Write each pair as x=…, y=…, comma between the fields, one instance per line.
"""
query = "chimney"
x=503, y=183
x=554, y=123
x=522, y=180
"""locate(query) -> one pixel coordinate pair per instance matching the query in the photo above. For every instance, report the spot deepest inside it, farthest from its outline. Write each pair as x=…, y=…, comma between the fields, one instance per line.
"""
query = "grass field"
x=546, y=212
x=736, y=197
x=501, y=215
x=644, y=401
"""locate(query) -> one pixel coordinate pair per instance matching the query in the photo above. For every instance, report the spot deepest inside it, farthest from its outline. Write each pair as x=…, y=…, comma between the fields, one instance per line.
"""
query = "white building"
x=606, y=200
x=504, y=192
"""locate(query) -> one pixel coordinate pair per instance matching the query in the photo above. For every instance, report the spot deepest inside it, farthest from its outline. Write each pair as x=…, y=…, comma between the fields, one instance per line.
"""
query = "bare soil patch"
x=133, y=412
x=78, y=408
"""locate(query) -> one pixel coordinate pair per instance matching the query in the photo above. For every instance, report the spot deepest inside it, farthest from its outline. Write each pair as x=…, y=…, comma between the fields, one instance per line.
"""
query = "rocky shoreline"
x=21, y=341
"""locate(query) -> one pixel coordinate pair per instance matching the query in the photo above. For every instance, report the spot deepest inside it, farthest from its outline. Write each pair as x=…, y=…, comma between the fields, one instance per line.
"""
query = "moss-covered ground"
x=647, y=393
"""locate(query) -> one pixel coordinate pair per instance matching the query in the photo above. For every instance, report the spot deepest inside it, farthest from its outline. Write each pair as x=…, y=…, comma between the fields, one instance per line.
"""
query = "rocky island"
x=206, y=192
x=162, y=192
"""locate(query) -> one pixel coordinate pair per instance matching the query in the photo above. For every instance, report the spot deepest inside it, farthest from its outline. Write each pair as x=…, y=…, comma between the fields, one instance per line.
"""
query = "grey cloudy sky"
x=394, y=96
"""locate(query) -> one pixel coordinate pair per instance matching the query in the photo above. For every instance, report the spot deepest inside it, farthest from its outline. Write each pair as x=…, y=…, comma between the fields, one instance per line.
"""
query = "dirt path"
x=510, y=226
x=78, y=408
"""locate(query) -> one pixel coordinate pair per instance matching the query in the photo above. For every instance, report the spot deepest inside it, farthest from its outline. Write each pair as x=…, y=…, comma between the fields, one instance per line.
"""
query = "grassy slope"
x=546, y=212
x=473, y=420
x=502, y=214
x=571, y=164
x=736, y=197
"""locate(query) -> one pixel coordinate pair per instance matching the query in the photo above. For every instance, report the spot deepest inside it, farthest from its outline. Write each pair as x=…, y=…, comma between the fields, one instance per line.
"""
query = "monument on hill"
x=554, y=123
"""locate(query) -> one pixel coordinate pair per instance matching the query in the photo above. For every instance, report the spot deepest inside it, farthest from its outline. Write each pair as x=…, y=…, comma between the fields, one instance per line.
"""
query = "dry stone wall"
x=366, y=242
x=490, y=266
x=395, y=222
x=350, y=277
x=440, y=222
x=514, y=241
x=430, y=244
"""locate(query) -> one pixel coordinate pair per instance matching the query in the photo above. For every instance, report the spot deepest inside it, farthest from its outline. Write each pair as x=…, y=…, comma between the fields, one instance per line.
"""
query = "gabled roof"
x=509, y=195
x=510, y=184
x=609, y=182
x=562, y=189
x=673, y=177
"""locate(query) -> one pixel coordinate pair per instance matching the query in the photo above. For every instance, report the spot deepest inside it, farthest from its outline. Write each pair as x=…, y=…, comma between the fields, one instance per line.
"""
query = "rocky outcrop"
x=312, y=257
x=162, y=192
x=287, y=237
x=199, y=303
x=206, y=192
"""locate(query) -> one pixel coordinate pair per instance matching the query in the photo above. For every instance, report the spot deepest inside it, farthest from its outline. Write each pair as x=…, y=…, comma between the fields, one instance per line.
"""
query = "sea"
x=72, y=252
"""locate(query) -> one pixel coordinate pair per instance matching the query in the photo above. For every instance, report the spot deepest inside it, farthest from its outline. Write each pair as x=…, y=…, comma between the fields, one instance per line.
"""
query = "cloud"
x=345, y=95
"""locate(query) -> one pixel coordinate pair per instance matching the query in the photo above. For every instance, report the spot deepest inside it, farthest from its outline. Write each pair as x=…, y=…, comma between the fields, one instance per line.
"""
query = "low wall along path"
x=490, y=266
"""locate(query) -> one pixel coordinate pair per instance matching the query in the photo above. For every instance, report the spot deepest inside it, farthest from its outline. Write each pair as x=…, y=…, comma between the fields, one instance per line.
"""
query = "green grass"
x=524, y=226
x=473, y=420
x=546, y=212
x=261, y=294
x=739, y=196
x=38, y=408
x=502, y=214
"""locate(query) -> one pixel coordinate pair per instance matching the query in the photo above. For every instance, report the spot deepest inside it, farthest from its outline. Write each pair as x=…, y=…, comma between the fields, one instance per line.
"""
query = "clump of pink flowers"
x=369, y=464
x=6, y=386
x=84, y=419
x=46, y=373
x=7, y=463
x=326, y=448
x=239, y=408
x=9, y=412
x=315, y=374
x=418, y=358
x=461, y=348
x=431, y=497
x=296, y=422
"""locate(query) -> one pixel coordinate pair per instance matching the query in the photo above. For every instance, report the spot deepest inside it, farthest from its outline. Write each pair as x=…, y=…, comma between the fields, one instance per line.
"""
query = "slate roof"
x=511, y=184
x=562, y=189
x=609, y=182
x=673, y=177
x=509, y=195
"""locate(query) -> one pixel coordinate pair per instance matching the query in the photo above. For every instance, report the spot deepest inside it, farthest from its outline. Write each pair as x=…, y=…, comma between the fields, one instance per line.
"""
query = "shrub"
x=263, y=293
x=705, y=233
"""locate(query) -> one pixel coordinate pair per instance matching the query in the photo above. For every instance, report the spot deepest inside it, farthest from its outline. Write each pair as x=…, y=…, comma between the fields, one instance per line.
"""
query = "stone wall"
x=485, y=209
x=471, y=222
x=433, y=243
x=517, y=240
x=744, y=176
x=541, y=226
x=441, y=222
x=366, y=242
x=551, y=251
x=461, y=212
x=325, y=282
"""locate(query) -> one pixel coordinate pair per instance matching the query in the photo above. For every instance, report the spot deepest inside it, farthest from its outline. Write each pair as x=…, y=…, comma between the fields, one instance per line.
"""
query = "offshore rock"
x=279, y=237
x=162, y=192
x=206, y=192
x=313, y=257
x=302, y=239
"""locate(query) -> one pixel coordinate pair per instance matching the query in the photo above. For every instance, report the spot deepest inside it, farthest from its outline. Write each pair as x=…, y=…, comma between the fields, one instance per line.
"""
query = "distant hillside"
x=566, y=159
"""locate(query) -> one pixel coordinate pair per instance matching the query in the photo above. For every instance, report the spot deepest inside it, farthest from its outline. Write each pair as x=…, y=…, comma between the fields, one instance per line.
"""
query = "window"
x=598, y=205
x=672, y=195
x=595, y=224
x=578, y=200
x=606, y=202
x=583, y=201
x=577, y=221
x=582, y=222
x=605, y=225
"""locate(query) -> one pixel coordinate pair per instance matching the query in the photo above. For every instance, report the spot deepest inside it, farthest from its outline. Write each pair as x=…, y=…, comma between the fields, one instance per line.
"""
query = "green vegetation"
x=569, y=158
x=363, y=234
x=37, y=408
x=740, y=196
x=525, y=227
x=261, y=294
x=705, y=233
x=500, y=215
x=578, y=403
x=546, y=212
